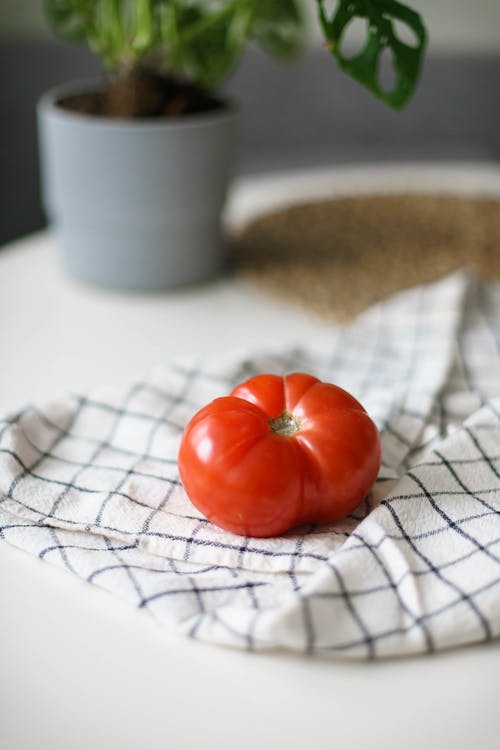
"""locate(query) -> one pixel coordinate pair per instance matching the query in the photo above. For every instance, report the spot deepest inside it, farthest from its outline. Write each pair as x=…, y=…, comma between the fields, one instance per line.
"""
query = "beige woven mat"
x=338, y=257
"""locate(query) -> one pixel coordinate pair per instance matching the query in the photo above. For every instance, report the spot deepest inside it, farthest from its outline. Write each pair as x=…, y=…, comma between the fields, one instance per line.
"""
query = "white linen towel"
x=90, y=483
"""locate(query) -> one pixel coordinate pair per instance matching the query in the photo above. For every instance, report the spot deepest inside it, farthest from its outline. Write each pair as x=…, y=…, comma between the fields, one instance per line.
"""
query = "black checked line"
x=62, y=551
x=353, y=592
x=410, y=375
x=247, y=368
x=180, y=397
x=8, y=526
x=237, y=547
x=156, y=424
x=10, y=421
x=347, y=645
x=201, y=590
x=174, y=566
x=59, y=436
x=366, y=636
x=466, y=490
x=119, y=410
x=442, y=529
x=42, y=555
x=252, y=624
x=465, y=597
x=367, y=377
x=305, y=605
x=308, y=620
x=356, y=643
x=94, y=441
x=216, y=617
x=104, y=467
x=441, y=493
x=201, y=607
x=453, y=524
x=457, y=461
x=126, y=568
x=80, y=488
x=394, y=586
x=467, y=375
x=487, y=459
x=161, y=535
x=100, y=447
x=132, y=566
x=189, y=542
x=426, y=616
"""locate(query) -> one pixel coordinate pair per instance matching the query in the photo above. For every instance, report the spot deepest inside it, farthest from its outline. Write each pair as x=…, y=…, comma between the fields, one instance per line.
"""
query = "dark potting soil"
x=143, y=94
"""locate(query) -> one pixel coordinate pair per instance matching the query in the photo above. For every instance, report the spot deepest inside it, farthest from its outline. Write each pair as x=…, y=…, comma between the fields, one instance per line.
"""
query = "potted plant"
x=135, y=169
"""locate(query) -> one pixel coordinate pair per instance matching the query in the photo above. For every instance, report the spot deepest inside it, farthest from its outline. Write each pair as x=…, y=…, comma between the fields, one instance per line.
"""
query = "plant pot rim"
x=48, y=105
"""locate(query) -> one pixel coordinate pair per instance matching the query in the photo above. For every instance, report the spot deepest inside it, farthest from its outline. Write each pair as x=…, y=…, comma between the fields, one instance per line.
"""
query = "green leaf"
x=70, y=19
x=364, y=67
x=204, y=39
x=201, y=39
x=201, y=44
x=278, y=26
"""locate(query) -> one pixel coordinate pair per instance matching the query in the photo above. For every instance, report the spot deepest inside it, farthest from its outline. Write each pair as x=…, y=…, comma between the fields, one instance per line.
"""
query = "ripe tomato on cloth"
x=279, y=452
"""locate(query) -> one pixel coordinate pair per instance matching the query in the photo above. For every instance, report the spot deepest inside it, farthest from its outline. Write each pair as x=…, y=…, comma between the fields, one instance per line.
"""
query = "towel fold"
x=90, y=483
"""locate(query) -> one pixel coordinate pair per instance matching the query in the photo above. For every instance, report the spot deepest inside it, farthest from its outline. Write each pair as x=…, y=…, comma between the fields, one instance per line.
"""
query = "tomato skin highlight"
x=279, y=452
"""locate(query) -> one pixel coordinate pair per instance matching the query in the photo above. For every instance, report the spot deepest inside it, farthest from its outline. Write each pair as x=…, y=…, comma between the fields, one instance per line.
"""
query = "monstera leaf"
x=204, y=39
x=382, y=19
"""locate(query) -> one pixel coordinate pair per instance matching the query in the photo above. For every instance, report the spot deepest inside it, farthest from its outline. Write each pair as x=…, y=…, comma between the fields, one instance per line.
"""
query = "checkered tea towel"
x=90, y=483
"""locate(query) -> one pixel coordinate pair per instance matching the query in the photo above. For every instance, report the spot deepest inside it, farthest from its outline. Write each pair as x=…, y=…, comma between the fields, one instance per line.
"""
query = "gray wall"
x=305, y=114
x=455, y=25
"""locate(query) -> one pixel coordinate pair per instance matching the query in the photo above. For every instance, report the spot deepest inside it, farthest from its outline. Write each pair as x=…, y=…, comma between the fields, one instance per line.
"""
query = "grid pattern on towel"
x=90, y=483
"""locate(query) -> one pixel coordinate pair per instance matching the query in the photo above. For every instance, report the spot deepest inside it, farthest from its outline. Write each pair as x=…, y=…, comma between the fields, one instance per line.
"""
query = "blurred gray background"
x=303, y=114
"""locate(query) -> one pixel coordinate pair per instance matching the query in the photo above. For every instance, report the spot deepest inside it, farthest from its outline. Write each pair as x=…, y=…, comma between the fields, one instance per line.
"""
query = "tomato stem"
x=286, y=424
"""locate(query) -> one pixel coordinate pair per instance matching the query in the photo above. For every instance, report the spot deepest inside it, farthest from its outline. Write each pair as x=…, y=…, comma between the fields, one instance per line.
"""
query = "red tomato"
x=279, y=452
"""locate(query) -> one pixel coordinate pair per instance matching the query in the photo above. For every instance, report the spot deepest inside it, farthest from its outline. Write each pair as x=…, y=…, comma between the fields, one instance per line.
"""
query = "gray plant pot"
x=136, y=203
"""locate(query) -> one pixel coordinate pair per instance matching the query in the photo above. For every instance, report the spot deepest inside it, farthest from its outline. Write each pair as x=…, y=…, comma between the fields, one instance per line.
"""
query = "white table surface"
x=81, y=669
